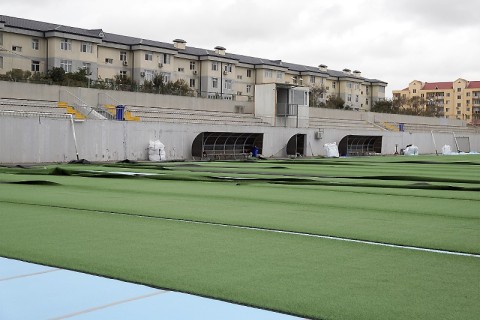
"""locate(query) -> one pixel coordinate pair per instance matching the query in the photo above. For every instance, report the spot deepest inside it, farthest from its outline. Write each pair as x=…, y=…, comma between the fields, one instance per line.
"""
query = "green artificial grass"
x=314, y=278
x=59, y=215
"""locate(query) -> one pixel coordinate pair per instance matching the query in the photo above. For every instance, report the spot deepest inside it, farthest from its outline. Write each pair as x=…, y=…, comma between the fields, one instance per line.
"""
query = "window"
x=181, y=69
x=459, y=89
x=357, y=86
x=86, y=66
x=249, y=88
x=366, y=102
x=214, y=66
x=192, y=65
x=228, y=85
x=349, y=98
x=268, y=73
x=166, y=58
x=149, y=75
x=468, y=109
x=366, y=90
x=468, y=94
x=447, y=101
x=422, y=95
x=414, y=90
x=66, y=44
x=468, y=102
x=166, y=77
x=123, y=55
x=148, y=56
x=214, y=82
x=448, y=94
x=1, y=62
x=459, y=112
x=17, y=48
x=356, y=98
x=1, y=38
x=312, y=79
x=239, y=77
x=447, y=109
x=35, y=44
x=459, y=105
x=228, y=67
x=35, y=66
x=334, y=84
x=349, y=85
x=66, y=65
x=249, y=73
x=86, y=47
x=123, y=74
x=108, y=60
x=459, y=97
x=192, y=83
x=279, y=75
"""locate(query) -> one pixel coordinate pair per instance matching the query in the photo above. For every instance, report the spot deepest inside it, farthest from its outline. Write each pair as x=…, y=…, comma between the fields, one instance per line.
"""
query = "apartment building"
x=40, y=46
x=459, y=99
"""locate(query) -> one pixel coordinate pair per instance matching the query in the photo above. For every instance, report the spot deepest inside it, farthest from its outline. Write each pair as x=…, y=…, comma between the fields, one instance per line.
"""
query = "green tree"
x=57, y=75
x=385, y=106
x=18, y=74
x=316, y=95
x=334, y=102
x=78, y=78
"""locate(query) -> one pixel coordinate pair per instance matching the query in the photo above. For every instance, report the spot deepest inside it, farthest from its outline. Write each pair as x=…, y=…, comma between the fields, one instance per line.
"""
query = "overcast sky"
x=396, y=41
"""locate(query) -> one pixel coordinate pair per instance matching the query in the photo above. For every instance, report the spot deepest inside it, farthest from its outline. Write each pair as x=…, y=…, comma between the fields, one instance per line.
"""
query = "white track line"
x=29, y=274
x=317, y=236
x=108, y=305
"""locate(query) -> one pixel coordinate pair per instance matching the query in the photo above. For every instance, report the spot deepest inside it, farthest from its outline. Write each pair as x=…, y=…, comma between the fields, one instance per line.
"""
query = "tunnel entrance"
x=226, y=145
x=352, y=145
x=296, y=145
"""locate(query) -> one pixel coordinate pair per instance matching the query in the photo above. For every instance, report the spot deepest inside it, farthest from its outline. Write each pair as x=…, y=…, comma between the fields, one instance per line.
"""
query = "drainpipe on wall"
x=200, y=77
x=221, y=79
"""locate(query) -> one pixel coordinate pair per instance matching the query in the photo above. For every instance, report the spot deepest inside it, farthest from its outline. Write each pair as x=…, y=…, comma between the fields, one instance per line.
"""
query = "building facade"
x=40, y=46
x=459, y=99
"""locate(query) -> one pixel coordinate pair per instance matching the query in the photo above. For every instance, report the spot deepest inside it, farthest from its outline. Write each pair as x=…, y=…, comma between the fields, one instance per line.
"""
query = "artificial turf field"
x=176, y=226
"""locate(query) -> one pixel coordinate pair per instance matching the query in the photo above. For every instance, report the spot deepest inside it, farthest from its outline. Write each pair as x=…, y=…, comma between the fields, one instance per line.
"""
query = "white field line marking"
x=109, y=305
x=29, y=274
x=316, y=236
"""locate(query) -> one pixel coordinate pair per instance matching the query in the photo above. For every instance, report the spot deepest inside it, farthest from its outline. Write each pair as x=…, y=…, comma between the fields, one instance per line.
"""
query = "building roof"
x=437, y=86
x=473, y=85
x=132, y=41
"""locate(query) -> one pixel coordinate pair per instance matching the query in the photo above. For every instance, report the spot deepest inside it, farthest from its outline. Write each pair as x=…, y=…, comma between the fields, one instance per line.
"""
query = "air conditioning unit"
x=195, y=72
x=318, y=135
x=125, y=62
x=160, y=65
x=142, y=74
x=225, y=72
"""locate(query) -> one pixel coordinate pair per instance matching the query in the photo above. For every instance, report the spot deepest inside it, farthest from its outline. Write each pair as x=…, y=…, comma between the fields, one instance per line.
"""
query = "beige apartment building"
x=459, y=99
x=40, y=46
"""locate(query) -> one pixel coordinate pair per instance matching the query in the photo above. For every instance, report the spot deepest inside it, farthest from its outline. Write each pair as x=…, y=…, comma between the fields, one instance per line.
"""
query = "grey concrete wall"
x=381, y=117
x=94, y=97
x=38, y=140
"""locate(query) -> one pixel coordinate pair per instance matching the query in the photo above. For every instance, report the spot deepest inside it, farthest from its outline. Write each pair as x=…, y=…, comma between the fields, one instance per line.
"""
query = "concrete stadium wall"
x=43, y=140
x=382, y=117
x=93, y=97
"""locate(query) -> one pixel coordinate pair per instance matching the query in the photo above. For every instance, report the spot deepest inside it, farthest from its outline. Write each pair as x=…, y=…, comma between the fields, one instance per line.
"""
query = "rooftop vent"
x=323, y=68
x=357, y=73
x=179, y=44
x=347, y=70
x=220, y=50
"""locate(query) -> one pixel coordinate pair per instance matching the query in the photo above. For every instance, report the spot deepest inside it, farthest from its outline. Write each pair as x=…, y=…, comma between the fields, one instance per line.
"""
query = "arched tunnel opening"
x=296, y=145
x=226, y=145
x=353, y=145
